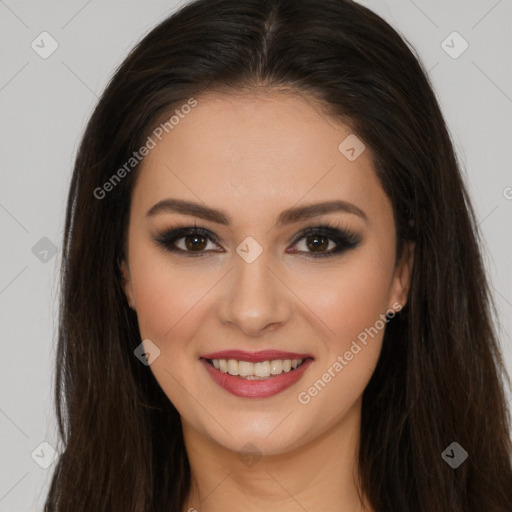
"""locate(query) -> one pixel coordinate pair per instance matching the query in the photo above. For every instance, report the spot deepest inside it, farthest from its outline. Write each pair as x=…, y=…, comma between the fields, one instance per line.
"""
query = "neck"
x=318, y=475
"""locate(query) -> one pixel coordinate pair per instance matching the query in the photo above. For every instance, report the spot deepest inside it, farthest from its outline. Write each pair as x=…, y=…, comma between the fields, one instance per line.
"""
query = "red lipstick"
x=255, y=357
x=246, y=388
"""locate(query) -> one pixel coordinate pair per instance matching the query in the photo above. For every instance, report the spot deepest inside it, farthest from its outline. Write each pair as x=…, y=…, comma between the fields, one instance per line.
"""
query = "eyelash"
x=344, y=238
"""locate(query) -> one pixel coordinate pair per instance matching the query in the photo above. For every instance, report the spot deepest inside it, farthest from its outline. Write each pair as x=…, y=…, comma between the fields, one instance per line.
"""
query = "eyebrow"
x=288, y=216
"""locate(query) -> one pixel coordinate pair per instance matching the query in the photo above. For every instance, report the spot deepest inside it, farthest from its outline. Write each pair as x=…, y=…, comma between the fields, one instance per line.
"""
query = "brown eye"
x=195, y=242
x=189, y=241
x=317, y=243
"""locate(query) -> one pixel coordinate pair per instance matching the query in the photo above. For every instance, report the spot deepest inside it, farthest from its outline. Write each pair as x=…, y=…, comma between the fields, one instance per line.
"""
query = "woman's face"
x=253, y=281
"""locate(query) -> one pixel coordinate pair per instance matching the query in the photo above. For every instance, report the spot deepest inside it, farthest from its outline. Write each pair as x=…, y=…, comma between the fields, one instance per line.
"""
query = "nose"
x=255, y=297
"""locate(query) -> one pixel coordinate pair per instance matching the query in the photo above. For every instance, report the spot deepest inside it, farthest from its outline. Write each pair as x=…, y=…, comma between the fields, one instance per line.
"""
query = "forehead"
x=255, y=153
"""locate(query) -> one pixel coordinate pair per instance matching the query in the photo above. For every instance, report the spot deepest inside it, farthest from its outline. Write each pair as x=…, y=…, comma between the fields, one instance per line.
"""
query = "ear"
x=127, y=284
x=402, y=277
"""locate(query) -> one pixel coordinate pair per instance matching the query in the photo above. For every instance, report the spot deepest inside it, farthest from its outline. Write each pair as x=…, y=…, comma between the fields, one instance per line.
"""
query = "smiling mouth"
x=262, y=370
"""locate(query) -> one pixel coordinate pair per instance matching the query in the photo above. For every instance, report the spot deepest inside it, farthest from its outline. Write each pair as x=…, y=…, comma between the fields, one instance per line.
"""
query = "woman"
x=272, y=291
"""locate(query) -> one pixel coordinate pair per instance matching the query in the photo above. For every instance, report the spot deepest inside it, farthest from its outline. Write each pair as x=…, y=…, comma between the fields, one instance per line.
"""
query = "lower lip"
x=244, y=388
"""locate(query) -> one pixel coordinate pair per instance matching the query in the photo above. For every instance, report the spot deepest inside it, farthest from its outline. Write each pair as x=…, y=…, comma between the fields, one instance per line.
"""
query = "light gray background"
x=44, y=105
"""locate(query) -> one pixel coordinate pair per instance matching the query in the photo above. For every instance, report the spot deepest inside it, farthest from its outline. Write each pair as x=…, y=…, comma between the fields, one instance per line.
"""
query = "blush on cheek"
x=349, y=309
x=164, y=300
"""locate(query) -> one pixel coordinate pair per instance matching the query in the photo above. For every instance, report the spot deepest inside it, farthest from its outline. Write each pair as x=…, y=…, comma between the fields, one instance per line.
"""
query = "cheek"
x=170, y=304
x=167, y=298
x=348, y=297
x=351, y=300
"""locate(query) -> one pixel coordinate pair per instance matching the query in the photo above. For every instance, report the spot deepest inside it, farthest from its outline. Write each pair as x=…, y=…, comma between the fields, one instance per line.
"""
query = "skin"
x=253, y=156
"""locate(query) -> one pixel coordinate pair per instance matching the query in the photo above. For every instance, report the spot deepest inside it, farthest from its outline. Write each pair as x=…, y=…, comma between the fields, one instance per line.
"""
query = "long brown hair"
x=440, y=377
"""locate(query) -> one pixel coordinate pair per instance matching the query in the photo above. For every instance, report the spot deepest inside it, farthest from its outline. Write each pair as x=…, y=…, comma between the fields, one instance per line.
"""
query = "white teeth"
x=255, y=371
x=232, y=367
x=276, y=366
x=244, y=368
x=262, y=369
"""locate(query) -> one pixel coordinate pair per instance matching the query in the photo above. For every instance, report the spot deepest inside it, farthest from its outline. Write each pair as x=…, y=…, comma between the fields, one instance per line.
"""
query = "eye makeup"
x=343, y=238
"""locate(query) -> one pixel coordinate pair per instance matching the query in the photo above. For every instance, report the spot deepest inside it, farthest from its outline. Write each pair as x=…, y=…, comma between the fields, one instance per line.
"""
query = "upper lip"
x=254, y=357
